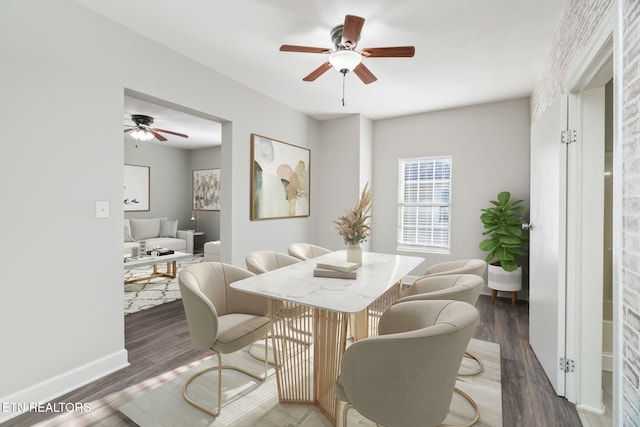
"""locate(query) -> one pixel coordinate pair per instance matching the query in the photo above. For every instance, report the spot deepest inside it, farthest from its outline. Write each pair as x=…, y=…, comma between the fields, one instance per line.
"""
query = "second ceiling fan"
x=143, y=130
x=344, y=57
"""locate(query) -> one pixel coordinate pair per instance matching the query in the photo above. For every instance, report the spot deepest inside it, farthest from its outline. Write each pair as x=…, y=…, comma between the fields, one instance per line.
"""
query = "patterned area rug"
x=152, y=292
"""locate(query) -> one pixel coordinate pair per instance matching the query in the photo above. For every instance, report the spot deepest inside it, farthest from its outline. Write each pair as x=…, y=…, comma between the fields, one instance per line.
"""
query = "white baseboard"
x=47, y=390
x=599, y=411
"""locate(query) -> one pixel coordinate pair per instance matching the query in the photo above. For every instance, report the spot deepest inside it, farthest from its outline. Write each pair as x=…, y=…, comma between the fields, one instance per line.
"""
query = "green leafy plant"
x=503, y=226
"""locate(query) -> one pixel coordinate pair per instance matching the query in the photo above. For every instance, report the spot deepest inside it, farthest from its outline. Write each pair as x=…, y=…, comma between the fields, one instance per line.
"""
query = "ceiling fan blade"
x=171, y=132
x=391, y=52
x=129, y=130
x=157, y=135
x=304, y=49
x=351, y=30
x=364, y=73
x=318, y=72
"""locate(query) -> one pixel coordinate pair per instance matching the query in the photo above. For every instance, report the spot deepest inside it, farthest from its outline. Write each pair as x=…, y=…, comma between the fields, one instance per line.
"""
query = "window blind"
x=424, y=204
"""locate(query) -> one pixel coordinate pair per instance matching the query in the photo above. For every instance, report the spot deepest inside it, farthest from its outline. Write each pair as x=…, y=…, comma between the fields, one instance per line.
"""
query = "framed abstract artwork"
x=206, y=190
x=136, y=188
x=279, y=179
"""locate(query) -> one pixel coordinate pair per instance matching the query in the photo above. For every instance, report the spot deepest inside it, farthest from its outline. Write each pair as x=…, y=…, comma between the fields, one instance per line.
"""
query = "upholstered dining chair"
x=305, y=251
x=259, y=262
x=458, y=287
x=463, y=266
x=406, y=375
x=298, y=317
x=220, y=318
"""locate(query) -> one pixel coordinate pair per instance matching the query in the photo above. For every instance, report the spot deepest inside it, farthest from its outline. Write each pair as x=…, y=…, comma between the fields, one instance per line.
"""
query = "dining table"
x=312, y=316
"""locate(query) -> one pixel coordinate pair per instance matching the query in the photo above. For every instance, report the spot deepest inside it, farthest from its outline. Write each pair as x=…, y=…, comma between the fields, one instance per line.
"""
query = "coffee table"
x=171, y=259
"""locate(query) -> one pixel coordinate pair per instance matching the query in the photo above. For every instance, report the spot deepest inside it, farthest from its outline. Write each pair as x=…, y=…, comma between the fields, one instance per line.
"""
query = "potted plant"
x=504, y=243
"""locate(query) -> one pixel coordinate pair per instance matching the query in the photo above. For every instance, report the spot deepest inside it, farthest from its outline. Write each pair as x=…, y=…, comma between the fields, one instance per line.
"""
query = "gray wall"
x=490, y=148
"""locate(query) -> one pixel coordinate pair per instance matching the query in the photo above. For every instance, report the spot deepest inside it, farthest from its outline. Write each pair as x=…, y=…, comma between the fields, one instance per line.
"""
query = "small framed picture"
x=206, y=190
x=136, y=188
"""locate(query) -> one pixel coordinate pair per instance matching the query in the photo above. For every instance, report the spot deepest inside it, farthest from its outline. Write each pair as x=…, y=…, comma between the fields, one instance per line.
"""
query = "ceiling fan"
x=344, y=57
x=143, y=131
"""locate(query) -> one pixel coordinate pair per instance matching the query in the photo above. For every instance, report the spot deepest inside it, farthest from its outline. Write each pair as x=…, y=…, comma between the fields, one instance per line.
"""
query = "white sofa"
x=156, y=232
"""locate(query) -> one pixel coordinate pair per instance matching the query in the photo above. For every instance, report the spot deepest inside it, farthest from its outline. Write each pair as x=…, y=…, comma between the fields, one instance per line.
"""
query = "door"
x=547, y=246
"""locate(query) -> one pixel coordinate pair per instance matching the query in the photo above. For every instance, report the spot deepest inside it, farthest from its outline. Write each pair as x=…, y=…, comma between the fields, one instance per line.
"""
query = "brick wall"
x=630, y=110
x=579, y=22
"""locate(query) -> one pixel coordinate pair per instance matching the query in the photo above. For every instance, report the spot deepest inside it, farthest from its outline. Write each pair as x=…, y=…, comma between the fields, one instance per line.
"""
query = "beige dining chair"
x=220, y=318
x=305, y=251
x=259, y=262
x=298, y=317
x=463, y=266
x=458, y=287
x=406, y=376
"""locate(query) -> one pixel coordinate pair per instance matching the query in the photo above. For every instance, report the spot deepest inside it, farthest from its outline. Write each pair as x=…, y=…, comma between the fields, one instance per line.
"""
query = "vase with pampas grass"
x=354, y=225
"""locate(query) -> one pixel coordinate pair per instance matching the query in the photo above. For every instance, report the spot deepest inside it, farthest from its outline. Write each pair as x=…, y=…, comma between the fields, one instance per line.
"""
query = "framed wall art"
x=279, y=179
x=136, y=188
x=206, y=190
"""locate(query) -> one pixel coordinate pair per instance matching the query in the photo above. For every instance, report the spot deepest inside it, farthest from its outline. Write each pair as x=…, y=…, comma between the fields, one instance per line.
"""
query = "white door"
x=547, y=246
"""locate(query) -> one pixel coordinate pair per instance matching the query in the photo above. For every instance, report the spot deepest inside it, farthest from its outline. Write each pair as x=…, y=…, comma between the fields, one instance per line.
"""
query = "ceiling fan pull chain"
x=344, y=77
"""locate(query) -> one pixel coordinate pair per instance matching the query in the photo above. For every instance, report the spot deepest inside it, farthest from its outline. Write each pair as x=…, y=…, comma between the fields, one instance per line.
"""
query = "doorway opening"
x=590, y=278
x=176, y=167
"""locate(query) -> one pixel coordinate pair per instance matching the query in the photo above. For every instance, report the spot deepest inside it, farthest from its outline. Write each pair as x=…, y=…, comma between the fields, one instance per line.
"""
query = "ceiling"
x=467, y=51
x=202, y=132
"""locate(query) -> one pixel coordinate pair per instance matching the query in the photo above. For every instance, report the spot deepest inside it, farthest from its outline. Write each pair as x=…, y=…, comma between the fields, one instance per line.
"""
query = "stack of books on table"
x=337, y=269
x=160, y=252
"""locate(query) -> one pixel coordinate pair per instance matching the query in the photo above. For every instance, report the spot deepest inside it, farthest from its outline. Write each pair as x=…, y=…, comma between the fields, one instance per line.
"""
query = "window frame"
x=402, y=203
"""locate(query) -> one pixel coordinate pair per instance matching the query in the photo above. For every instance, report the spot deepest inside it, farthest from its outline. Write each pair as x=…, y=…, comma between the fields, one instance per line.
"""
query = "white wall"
x=65, y=70
x=490, y=148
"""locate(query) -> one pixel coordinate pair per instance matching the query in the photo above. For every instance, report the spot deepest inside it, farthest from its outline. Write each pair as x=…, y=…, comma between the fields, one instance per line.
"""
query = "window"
x=424, y=204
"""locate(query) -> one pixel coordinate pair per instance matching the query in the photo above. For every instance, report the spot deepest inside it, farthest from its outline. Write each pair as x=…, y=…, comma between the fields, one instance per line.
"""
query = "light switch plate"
x=102, y=209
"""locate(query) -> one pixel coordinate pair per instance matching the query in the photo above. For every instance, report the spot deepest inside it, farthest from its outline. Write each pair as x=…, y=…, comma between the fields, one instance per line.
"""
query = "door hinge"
x=567, y=365
x=568, y=136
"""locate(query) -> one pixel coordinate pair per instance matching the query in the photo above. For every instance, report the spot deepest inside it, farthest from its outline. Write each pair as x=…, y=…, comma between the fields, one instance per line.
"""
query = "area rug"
x=152, y=292
x=249, y=403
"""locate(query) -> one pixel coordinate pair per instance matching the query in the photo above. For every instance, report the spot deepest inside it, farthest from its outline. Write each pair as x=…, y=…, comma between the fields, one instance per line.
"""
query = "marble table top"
x=296, y=283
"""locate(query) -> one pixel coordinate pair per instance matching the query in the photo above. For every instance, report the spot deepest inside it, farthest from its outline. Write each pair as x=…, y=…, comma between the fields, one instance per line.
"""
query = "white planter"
x=507, y=281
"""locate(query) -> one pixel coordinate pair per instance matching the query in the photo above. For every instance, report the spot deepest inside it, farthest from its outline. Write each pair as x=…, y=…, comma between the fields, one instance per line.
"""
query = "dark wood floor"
x=158, y=342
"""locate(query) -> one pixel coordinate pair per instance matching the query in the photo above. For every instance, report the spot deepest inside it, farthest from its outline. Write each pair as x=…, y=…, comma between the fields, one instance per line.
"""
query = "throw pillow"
x=127, y=235
x=142, y=229
x=168, y=228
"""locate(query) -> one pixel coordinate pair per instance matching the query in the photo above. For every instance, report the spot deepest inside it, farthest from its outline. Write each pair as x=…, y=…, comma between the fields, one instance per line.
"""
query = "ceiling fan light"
x=141, y=135
x=345, y=59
